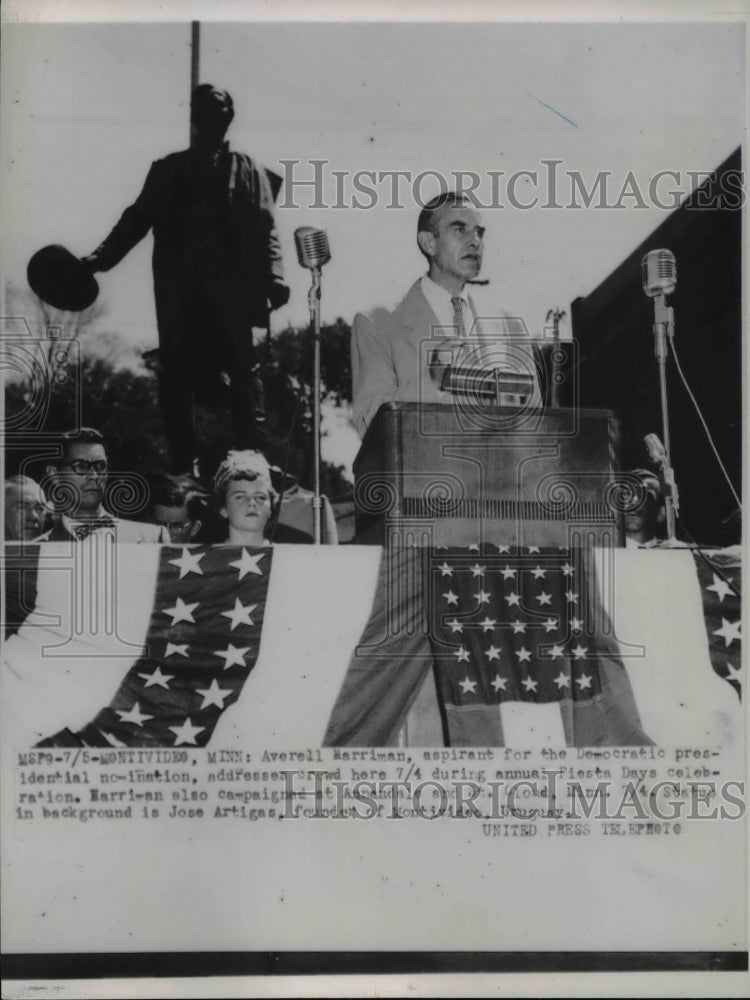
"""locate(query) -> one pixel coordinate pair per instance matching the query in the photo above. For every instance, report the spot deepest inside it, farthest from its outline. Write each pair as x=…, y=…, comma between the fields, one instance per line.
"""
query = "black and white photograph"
x=373, y=453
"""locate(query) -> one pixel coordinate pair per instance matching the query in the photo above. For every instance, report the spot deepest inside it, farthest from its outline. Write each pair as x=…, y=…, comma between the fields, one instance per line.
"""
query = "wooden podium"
x=434, y=474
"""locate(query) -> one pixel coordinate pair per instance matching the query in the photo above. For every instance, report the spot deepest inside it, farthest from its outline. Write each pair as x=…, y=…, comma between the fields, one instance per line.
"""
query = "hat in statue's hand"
x=61, y=280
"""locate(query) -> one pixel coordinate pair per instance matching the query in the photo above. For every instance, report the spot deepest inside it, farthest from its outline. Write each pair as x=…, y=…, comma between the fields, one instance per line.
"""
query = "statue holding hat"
x=217, y=270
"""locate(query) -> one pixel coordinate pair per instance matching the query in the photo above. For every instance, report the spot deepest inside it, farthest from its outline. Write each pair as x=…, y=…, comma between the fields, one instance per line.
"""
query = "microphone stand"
x=313, y=303
x=663, y=329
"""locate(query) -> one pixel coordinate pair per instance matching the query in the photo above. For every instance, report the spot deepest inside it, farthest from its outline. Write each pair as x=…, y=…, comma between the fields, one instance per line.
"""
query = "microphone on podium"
x=313, y=252
x=312, y=247
x=657, y=453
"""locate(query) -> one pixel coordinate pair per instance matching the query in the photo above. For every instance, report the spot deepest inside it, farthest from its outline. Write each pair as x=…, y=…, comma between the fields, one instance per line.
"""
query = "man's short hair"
x=427, y=221
x=83, y=435
x=649, y=480
x=18, y=482
x=428, y=217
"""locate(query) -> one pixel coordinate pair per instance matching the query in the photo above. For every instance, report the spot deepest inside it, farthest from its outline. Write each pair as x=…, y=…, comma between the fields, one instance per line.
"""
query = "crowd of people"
x=245, y=507
x=251, y=503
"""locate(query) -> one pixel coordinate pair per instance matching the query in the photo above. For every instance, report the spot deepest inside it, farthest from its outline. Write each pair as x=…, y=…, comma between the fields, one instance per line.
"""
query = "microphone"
x=657, y=453
x=312, y=247
x=659, y=273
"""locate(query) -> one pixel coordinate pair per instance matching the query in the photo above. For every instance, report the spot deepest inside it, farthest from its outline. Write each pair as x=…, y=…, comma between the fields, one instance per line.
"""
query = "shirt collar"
x=71, y=522
x=432, y=288
x=439, y=300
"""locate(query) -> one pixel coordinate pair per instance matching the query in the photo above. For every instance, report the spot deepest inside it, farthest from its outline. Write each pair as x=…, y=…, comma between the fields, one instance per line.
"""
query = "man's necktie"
x=458, y=316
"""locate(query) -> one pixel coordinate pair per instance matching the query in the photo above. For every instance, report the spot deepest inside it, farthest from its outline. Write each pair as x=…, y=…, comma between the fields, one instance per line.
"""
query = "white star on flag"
x=157, y=678
x=733, y=673
x=721, y=587
x=451, y=598
x=477, y=570
x=523, y=654
x=570, y=597
x=556, y=652
x=488, y=625
x=567, y=570
x=576, y=624
x=539, y=573
x=562, y=680
x=188, y=562
x=181, y=612
x=455, y=625
x=240, y=615
x=445, y=570
x=474, y=547
x=529, y=684
x=729, y=631
x=234, y=656
x=503, y=549
x=248, y=564
x=584, y=681
x=579, y=651
x=462, y=655
x=493, y=653
x=134, y=715
x=482, y=597
x=499, y=683
x=533, y=550
x=544, y=598
x=518, y=626
x=550, y=625
x=468, y=686
x=176, y=649
x=213, y=695
x=508, y=573
x=512, y=599
x=186, y=733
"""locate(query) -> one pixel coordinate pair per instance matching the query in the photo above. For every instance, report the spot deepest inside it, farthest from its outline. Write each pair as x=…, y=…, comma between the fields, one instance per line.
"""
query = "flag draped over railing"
x=201, y=643
x=719, y=576
x=501, y=625
x=144, y=645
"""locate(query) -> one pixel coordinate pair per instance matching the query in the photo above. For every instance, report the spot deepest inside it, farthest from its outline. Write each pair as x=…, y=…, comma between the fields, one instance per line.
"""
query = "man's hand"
x=91, y=262
x=278, y=295
x=446, y=356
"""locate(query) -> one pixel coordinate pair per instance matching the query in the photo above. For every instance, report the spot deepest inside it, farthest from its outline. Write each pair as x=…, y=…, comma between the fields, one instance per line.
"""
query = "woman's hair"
x=249, y=466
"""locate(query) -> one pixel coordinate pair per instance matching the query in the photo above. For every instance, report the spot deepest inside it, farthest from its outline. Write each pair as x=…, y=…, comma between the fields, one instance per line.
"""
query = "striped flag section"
x=719, y=577
x=303, y=647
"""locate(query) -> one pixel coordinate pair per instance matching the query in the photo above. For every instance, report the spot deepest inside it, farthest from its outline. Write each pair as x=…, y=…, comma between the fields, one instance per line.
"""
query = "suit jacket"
x=126, y=532
x=246, y=250
x=389, y=365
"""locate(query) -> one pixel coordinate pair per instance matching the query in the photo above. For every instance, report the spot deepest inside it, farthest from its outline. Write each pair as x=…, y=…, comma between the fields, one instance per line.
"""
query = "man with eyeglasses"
x=176, y=510
x=75, y=487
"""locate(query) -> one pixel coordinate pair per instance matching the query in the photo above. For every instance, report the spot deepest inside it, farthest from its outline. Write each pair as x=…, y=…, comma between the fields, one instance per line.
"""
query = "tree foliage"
x=122, y=403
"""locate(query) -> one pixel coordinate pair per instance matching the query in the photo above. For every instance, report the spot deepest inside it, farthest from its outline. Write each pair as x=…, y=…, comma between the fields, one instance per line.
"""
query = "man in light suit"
x=393, y=360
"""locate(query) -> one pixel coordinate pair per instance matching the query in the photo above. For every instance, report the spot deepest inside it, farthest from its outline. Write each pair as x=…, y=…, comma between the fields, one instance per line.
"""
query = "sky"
x=87, y=107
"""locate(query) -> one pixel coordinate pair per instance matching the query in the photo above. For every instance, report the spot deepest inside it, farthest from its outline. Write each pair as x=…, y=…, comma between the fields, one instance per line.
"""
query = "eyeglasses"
x=80, y=466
